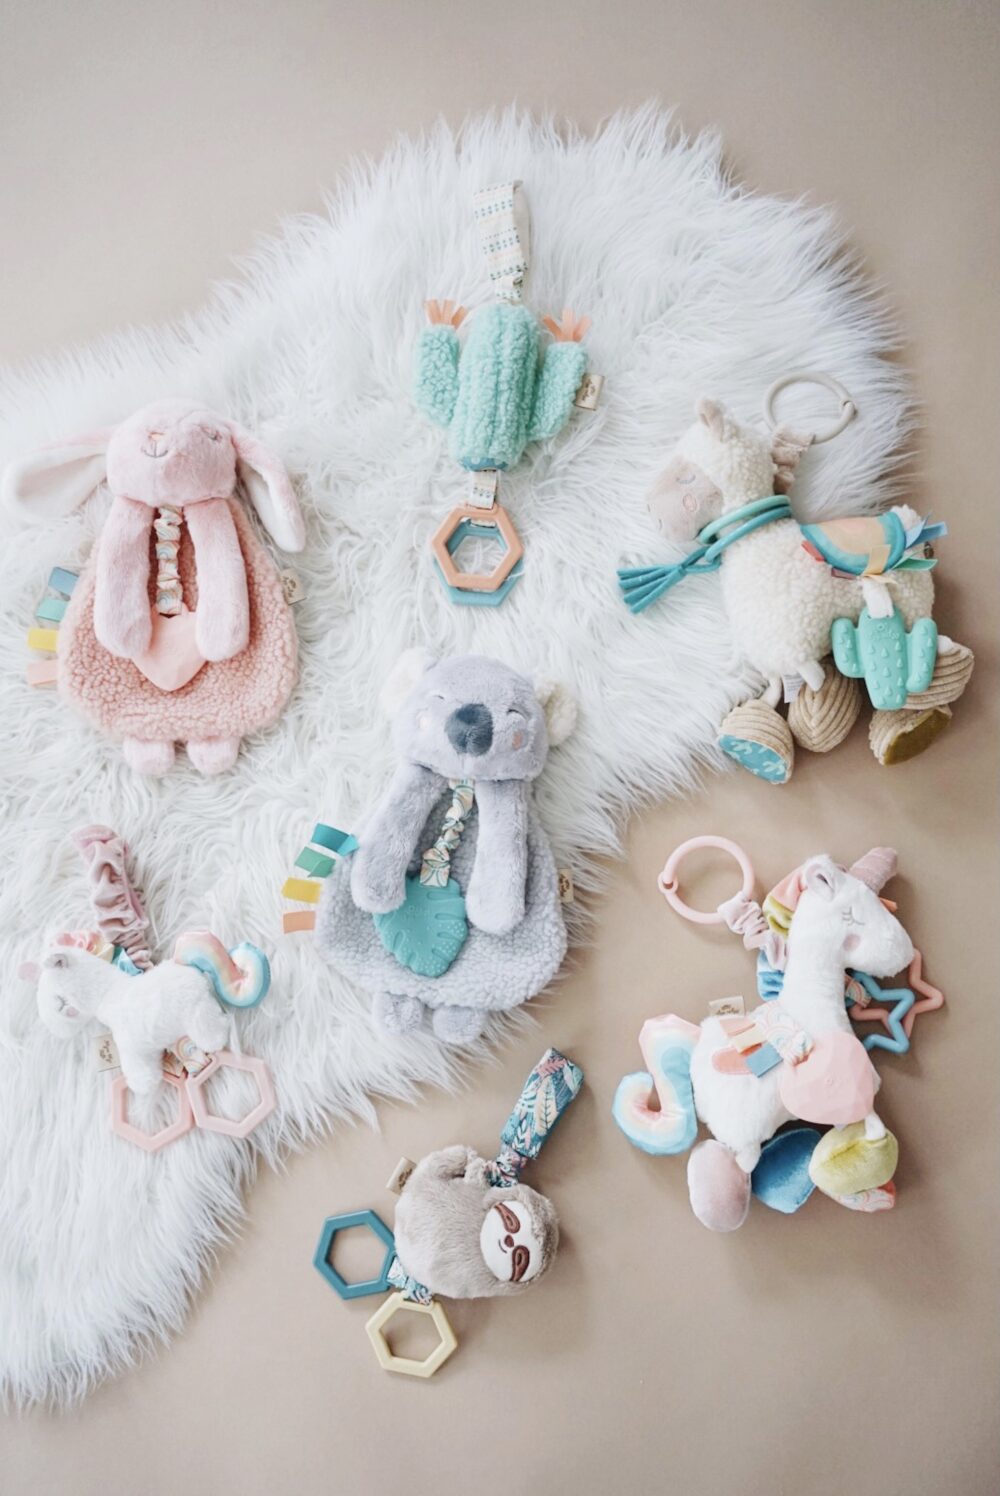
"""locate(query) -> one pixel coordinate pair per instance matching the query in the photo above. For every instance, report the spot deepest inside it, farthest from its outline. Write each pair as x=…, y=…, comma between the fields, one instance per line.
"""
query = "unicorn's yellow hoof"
x=845, y=1162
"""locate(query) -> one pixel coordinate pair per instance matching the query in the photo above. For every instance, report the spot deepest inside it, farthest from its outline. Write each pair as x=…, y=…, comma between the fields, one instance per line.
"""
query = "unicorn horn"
x=876, y=867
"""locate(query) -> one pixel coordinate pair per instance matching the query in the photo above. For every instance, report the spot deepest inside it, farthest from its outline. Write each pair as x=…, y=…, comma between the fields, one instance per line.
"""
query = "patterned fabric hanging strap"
x=504, y=227
x=435, y=865
x=167, y=529
x=547, y=1093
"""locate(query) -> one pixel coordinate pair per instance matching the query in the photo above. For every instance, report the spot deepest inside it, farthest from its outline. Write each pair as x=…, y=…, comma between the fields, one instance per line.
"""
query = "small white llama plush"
x=785, y=587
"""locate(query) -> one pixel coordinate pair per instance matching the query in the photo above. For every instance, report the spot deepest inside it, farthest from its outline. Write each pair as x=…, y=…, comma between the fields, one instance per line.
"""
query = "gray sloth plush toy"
x=451, y=902
x=464, y=1236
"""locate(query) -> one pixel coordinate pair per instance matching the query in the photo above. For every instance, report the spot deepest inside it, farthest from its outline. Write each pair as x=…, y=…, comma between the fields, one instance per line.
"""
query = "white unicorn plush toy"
x=794, y=1057
x=859, y=587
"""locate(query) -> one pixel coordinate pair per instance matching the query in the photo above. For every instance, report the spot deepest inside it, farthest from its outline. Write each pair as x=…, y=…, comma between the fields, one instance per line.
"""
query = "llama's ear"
x=711, y=414
x=51, y=483
x=822, y=876
x=411, y=665
x=269, y=489
x=559, y=707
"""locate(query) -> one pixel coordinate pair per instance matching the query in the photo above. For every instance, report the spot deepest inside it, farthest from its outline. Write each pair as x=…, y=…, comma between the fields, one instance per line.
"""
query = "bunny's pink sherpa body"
x=222, y=703
x=178, y=629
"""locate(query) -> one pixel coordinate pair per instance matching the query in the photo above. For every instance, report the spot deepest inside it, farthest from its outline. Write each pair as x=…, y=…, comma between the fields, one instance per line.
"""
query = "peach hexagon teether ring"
x=152, y=1142
x=668, y=884
x=243, y=1126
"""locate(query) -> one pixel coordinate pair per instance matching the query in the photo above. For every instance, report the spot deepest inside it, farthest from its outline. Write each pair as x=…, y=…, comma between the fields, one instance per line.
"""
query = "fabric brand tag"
x=567, y=893
x=589, y=393
x=106, y=1053
x=721, y=1005
x=291, y=587
x=791, y=685
x=400, y=1174
x=483, y=488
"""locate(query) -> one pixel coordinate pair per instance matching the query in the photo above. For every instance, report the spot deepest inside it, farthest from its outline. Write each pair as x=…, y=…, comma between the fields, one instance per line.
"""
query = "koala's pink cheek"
x=517, y=741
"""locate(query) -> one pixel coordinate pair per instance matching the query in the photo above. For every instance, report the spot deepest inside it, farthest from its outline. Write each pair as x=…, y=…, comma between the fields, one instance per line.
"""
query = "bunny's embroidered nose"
x=470, y=729
x=155, y=446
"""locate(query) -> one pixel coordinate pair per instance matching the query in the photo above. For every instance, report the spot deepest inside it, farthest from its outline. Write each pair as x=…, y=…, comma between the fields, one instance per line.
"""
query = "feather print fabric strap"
x=167, y=529
x=435, y=865
x=502, y=219
x=547, y=1093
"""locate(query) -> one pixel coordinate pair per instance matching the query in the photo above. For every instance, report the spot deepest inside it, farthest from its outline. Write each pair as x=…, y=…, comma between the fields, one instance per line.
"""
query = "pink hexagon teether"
x=151, y=1141
x=243, y=1126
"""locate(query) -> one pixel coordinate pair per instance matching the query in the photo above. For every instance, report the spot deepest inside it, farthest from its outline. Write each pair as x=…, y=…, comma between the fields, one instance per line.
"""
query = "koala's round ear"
x=560, y=710
x=411, y=665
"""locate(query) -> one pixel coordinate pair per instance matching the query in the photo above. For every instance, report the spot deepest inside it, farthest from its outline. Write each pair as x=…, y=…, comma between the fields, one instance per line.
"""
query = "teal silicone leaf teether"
x=427, y=931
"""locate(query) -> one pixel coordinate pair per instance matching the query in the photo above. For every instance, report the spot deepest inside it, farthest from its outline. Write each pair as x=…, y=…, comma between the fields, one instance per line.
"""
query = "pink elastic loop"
x=667, y=881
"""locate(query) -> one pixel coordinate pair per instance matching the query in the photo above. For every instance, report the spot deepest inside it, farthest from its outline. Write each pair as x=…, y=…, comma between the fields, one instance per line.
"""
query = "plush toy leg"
x=759, y=740
x=820, y=720
x=397, y=1015
x=813, y=674
x=781, y=1179
x=458, y=1025
x=213, y=755
x=718, y=1187
x=898, y=736
x=152, y=758
x=847, y=1164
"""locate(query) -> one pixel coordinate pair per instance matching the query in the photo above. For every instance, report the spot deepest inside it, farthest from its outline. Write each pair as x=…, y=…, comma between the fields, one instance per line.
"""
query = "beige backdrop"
x=143, y=146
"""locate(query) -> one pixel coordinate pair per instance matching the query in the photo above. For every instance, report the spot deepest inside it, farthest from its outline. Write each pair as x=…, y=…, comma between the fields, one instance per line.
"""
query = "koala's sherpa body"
x=500, y=391
x=465, y=717
x=146, y=1014
x=439, y=1219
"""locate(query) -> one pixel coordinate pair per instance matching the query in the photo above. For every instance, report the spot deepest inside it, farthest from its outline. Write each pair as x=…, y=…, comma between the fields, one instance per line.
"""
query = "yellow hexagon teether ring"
x=407, y=1365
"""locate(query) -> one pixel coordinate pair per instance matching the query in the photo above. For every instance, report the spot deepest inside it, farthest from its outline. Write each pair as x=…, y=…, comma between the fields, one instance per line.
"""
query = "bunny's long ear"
x=269, y=487
x=52, y=483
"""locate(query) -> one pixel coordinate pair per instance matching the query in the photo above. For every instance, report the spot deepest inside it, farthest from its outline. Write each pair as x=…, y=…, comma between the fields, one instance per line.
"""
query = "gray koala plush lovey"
x=451, y=902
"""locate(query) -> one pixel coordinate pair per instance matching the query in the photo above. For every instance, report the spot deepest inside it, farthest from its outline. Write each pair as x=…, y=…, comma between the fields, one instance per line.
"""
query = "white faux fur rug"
x=695, y=286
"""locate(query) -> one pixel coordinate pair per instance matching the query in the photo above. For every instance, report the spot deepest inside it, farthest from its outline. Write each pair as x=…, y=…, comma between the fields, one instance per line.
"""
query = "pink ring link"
x=667, y=881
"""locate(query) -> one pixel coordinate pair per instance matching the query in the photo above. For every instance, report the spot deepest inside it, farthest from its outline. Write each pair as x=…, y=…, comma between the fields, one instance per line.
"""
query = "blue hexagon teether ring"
x=324, y=1249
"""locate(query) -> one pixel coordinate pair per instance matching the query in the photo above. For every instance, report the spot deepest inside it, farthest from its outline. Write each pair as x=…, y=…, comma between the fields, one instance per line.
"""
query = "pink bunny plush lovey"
x=178, y=629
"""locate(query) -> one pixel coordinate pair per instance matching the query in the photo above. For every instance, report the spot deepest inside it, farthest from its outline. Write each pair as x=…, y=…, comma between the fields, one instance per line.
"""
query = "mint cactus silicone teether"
x=894, y=664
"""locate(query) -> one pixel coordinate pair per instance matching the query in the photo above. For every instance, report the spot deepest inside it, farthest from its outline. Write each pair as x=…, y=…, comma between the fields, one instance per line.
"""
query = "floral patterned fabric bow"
x=435, y=865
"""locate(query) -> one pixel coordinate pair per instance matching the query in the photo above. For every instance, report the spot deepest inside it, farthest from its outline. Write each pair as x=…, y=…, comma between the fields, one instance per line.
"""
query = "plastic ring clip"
x=848, y=409
x=668, y=884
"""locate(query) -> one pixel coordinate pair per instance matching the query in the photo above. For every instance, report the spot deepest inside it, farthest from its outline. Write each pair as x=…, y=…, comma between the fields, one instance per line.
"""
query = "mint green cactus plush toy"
x=894, y=664
x=498, y=392
x=501, y=391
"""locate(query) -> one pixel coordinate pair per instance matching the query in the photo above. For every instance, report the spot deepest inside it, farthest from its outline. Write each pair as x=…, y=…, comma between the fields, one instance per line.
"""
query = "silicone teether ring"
x=243, y=1126
x=152, y=1142
x=848, y=409
x=668, y=884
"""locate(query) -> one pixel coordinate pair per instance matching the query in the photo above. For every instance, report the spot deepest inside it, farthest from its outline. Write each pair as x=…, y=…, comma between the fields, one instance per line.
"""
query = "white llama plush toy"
x=859, y=588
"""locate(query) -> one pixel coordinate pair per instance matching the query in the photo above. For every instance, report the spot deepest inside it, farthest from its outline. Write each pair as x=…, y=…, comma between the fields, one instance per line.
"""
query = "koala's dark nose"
x=470, y=729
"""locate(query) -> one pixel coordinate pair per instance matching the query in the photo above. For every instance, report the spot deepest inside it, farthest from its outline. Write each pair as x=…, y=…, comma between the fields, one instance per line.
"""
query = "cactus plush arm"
x=563, y=367
x=436, y=372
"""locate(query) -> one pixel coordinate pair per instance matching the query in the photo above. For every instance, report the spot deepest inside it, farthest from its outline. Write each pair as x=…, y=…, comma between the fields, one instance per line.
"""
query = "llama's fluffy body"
x=782, y=603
